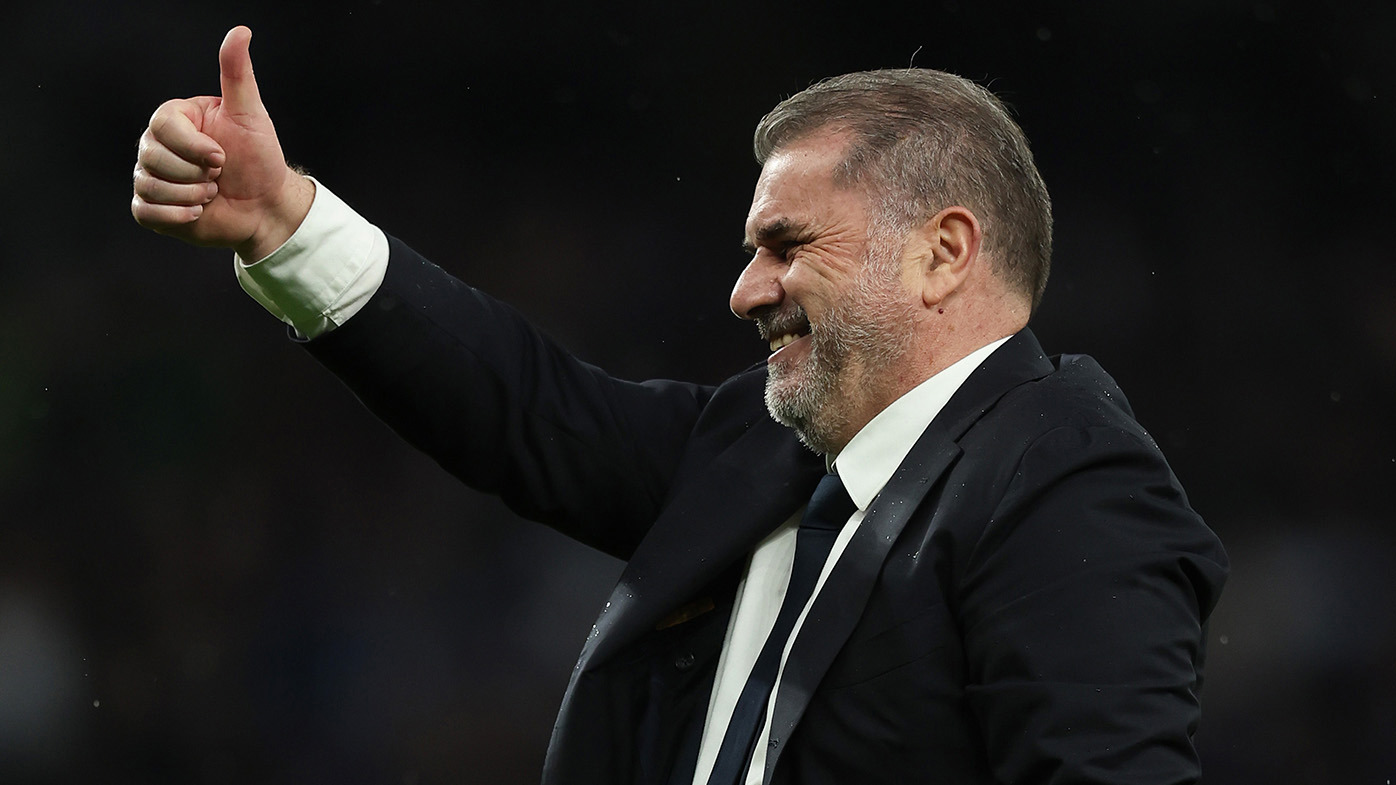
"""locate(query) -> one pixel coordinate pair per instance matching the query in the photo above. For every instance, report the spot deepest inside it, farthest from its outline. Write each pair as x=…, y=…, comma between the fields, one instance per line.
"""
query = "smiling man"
x=826, y=253
x=831, y=301
x=928, y=552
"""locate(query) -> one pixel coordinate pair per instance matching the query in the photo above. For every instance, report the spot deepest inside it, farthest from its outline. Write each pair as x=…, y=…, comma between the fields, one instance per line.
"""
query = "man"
x=1015, y=588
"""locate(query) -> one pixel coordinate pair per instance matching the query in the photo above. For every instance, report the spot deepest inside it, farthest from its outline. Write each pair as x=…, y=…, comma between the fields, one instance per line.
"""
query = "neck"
x=932, y=352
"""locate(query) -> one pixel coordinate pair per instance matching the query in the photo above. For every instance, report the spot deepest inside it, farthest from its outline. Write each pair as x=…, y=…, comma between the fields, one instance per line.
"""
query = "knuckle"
x=147, y=188
x=165, y=165
x=157, y=121
x=164, y=111
x=146, y=154
x=146, y=214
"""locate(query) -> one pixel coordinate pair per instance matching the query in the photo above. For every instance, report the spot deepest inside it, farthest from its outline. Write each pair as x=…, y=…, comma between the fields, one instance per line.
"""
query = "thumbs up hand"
x=210, y=171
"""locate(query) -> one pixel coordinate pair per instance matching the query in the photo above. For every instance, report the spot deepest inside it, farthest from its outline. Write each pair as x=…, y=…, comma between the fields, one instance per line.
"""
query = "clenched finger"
x=156, y=191
x=176, y=126
x=163, y=217
x=164, y=164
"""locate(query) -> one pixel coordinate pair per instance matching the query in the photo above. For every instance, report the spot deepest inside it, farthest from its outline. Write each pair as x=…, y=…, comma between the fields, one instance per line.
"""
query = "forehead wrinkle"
x=795, y=194
x=775, y=231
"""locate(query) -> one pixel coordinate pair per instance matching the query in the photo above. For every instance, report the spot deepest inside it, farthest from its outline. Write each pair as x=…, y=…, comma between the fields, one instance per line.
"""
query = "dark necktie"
x=826, y=514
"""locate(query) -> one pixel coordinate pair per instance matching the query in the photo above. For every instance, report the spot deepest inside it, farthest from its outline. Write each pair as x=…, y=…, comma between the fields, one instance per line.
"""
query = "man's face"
x=825, y=293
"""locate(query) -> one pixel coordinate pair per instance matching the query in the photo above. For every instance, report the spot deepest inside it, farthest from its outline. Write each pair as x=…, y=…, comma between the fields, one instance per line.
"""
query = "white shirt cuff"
x=324, y=273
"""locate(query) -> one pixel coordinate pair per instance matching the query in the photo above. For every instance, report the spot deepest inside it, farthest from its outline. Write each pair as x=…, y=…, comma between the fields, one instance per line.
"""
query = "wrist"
x=280, y=220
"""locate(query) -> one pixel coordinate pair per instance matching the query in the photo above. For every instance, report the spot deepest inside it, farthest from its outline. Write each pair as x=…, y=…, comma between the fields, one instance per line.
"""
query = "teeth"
x=784, y=340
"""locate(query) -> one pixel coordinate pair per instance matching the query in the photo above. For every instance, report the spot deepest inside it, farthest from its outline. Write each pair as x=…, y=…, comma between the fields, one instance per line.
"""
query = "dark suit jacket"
x=1024, y=602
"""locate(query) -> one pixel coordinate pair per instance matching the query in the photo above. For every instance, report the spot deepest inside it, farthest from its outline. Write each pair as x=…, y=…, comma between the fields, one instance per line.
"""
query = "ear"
x=942, y=252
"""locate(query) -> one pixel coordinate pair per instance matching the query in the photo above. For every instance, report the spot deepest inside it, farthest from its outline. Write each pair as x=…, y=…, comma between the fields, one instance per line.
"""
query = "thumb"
x=240, y=95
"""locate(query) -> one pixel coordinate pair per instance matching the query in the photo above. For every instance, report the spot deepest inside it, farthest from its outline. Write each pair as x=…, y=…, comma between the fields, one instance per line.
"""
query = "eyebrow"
x=781, y=231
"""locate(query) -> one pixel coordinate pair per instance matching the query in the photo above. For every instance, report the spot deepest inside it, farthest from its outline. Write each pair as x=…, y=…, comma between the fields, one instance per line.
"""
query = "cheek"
x=821, y=275
x=832, y=262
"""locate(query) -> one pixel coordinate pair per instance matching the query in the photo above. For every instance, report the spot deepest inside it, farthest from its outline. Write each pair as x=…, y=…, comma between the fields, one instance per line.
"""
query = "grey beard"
x=806, y=409
x=872, y=326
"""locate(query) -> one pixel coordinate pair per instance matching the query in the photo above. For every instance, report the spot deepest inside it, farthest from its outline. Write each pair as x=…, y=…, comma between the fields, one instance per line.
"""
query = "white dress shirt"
x=335, y=262
x=865, y=466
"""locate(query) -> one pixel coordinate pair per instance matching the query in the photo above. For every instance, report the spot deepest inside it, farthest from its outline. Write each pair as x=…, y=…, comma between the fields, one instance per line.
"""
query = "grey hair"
x=921, y=141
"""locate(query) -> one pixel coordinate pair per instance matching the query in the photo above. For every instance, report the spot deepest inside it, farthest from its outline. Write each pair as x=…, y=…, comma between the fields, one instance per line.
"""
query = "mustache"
x=776, y=322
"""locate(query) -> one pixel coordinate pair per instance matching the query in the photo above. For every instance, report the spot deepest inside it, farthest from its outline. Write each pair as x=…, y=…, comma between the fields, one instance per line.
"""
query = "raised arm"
x=210, y=171
x=461, y=376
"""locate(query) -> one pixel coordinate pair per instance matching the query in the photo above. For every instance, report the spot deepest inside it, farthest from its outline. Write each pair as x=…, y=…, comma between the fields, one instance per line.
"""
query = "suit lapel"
x=839, y=605
x=746, y=492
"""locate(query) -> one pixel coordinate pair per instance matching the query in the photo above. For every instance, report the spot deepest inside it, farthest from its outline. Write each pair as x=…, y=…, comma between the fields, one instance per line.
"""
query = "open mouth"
x=783, y=329
x=785, y=340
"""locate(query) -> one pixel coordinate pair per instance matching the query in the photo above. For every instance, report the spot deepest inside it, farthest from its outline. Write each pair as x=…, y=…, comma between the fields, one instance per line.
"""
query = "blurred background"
x=215, y=568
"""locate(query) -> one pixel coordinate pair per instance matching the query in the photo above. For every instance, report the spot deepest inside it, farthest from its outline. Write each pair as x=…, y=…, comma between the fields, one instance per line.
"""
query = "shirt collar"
x=875, y=452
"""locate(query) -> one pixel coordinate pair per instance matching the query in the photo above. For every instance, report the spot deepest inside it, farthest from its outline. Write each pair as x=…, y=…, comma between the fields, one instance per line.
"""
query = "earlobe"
x=949, y=246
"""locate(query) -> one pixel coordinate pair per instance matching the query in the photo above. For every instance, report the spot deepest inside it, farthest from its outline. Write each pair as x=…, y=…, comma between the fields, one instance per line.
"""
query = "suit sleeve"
x=1084, y=611
x=467, y=380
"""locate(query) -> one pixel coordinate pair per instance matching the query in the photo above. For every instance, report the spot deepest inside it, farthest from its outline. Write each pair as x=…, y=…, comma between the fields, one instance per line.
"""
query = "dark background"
x=215, y=568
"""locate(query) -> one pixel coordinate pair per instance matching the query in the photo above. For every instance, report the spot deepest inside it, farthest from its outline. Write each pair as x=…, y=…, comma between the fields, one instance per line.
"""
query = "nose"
x=758, y=287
